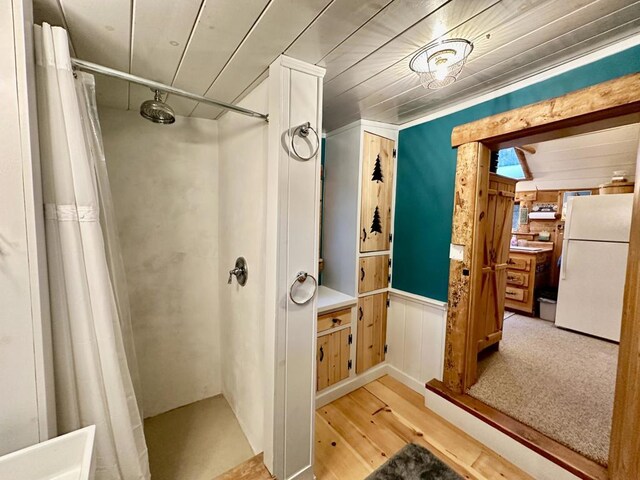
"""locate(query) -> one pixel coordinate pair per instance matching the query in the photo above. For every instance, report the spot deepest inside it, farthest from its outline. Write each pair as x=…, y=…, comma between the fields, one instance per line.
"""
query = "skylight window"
x=508, y=164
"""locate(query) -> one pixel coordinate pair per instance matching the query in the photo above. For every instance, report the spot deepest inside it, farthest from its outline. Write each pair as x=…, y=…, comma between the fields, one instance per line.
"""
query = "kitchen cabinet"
x=526, y=271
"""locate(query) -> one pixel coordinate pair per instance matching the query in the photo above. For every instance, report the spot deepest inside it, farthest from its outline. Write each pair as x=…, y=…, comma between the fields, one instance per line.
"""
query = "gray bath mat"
x=414, y=462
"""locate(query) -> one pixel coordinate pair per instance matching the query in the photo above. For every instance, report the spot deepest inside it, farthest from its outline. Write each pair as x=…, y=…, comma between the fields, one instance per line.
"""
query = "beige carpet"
x=196, y=442
x=561, y=383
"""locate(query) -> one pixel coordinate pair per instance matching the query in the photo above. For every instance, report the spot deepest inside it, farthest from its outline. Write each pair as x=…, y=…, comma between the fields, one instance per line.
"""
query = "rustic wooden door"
x=332, y=357
x=374, y=273
x=495, y=252
x=377, y=189
x=372, y=331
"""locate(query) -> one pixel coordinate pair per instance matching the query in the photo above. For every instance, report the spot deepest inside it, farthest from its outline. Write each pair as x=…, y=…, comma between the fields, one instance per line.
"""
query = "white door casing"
x=293, y=195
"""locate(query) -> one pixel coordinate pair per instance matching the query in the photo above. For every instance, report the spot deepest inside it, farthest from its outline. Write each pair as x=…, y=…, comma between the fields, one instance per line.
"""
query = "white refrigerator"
x=594, y=264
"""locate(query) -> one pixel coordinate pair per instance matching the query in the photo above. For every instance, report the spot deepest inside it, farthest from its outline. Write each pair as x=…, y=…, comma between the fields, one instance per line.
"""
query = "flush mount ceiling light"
x=439, y=64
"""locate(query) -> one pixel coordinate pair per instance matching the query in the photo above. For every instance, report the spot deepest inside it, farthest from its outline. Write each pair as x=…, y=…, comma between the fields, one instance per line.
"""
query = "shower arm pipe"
x=110, y=72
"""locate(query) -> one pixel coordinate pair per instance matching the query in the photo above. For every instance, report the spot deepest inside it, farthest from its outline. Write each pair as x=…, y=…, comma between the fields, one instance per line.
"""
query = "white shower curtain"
x=93, y=362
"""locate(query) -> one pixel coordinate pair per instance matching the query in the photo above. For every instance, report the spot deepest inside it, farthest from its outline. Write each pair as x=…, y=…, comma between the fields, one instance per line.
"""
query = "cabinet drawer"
x=374, y=273
x=518, y=278
x=334, y=319
x=516, y=294
x=332, y=358
x=519, y=263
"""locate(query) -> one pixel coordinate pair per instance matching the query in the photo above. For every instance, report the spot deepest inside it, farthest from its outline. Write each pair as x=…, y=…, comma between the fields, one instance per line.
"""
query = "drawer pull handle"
x=335, y=320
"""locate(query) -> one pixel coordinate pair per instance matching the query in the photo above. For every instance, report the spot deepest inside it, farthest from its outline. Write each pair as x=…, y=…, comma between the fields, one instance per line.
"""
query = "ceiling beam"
x=605, y=100
x=524, y=164
x=527, y=149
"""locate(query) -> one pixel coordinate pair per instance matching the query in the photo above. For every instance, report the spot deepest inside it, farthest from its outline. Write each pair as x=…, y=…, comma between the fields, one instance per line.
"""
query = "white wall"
x=416, y=328
x=340, y=222
x=164, y=180
x=26, y=402
x=242, y=211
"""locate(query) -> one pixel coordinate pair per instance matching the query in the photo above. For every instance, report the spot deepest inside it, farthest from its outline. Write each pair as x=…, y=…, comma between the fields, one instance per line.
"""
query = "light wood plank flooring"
x=360, y=431
x=252, y=469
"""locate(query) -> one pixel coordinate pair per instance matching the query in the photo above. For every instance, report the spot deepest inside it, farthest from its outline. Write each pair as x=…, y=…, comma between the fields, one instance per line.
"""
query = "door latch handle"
x=361, y=274
x=360, y=313
x=322, y=350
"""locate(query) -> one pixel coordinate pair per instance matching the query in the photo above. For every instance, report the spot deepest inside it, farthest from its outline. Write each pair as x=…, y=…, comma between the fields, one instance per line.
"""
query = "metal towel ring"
x=301, y=277
x=303, y=131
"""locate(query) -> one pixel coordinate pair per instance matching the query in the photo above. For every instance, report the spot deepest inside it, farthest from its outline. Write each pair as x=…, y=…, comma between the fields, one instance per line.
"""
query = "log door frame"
x=612, y=103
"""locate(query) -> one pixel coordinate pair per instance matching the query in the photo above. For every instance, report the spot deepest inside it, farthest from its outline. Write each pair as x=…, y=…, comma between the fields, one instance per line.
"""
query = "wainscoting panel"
x=415, y=338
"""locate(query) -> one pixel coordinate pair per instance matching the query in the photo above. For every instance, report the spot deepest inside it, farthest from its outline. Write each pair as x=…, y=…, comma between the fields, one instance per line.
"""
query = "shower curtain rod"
x=110, y=72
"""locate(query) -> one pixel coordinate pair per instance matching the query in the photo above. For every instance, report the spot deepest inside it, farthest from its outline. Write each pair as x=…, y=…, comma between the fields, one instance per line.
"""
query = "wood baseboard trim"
x=548, y=448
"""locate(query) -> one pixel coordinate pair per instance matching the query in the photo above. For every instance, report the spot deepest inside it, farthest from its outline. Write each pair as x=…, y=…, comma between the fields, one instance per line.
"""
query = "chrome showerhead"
x=157, y=111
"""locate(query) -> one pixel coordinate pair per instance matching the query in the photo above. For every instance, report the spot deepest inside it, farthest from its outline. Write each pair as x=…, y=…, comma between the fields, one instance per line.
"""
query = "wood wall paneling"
x=531, y=41
x=441, y=18
x=269, y=37
x=224, y=47
x=223, y=24
x=415, y=337
x=101, y=33
x=159, y=40
x=335, y=25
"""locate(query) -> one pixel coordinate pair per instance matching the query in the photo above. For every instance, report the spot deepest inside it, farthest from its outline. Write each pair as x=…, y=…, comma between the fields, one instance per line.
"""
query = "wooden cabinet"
x=376, y=192
x=373, y=274
x=356, y=233
x=372, y=331
x=333, y=320
x=332, y=357
x=526, y=272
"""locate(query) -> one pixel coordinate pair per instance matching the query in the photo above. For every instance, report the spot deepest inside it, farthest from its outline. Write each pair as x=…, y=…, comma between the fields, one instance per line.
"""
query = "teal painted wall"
x=426, y=175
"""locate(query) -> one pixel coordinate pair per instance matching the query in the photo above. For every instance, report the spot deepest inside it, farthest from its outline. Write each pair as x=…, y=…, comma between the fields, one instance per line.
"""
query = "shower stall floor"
x=196, y=442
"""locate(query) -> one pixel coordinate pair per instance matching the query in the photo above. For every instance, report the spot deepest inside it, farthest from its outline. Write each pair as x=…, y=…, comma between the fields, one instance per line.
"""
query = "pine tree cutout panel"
x=377, y=176
x=377, y=188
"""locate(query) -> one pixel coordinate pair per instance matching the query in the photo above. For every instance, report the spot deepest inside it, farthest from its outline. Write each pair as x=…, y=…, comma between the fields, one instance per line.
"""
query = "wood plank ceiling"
x=222, y=48
x=583, y=161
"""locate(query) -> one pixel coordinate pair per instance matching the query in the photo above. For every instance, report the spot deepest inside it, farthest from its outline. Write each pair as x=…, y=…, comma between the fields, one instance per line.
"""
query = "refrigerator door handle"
x=565, y=257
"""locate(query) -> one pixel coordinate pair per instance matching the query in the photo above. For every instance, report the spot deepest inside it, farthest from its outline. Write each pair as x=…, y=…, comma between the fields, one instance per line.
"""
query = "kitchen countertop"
x=329, y=299
x=530, y=249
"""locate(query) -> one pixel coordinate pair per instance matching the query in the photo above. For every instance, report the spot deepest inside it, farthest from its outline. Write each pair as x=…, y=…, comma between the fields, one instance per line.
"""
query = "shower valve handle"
x=232, y=272
x=240, y=271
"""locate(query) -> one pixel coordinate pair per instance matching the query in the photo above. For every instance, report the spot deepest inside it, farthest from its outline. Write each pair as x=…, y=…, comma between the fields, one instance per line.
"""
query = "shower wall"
x=164, y=180
x=242, y=204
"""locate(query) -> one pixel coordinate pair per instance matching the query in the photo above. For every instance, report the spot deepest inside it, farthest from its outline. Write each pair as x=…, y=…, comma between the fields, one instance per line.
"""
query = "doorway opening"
x=589, y=110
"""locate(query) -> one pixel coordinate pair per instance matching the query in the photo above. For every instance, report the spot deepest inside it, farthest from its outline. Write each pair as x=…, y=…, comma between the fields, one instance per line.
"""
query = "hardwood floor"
x=360, y=431
x=252, y=469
